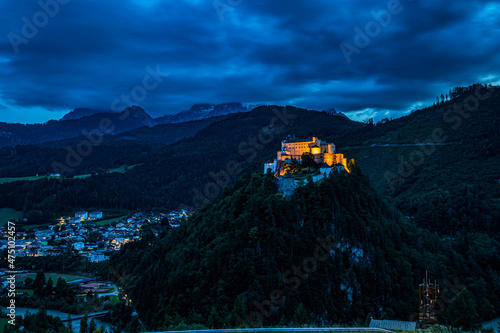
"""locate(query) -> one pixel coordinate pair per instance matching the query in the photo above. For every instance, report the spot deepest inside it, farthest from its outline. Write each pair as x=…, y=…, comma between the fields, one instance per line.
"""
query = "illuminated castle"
x=291, y=151
x=293, y=148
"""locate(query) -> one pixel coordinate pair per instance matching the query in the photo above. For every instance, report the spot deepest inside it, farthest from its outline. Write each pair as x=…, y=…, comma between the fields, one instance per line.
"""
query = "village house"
x=95, y=215
x=83, y=215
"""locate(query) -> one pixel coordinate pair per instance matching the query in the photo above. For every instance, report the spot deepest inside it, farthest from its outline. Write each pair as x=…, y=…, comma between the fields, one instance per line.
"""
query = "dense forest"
x=334, y=252
x=452, y=183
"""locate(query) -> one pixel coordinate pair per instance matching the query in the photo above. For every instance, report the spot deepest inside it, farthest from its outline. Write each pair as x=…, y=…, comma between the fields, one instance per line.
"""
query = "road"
x=302, y=329
x=378, y=145
x=90, y=315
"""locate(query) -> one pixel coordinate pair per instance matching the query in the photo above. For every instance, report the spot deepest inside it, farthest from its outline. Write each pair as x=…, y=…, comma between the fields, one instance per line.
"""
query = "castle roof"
x=324, y=165
x=288, y=175
x=297, y=140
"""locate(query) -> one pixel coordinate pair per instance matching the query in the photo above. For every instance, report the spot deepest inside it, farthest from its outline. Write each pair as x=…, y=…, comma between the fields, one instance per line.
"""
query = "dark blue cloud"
x=91, y=53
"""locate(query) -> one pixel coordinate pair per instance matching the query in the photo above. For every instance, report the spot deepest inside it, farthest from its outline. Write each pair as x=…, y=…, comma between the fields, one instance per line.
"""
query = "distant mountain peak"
x=202, y=107
x=334, y=112
x=79, y=113
x=139, y=113
x=202, y=111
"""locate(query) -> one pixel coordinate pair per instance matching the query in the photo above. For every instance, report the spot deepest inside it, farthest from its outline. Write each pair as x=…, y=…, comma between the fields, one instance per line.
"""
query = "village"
x=83, y=234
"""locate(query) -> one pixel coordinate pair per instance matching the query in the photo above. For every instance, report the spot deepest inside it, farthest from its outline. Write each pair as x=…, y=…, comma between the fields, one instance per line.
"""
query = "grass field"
x=121, y=169
x=26, y=291
x=109, y=221
x=32, y=226
x=8, y=214
x=3, y=321
x=53, y=276
x=114, y=299
x=15, y=179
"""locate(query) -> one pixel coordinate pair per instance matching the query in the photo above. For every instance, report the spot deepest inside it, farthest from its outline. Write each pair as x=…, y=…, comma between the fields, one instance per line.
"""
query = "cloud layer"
x=370, y=58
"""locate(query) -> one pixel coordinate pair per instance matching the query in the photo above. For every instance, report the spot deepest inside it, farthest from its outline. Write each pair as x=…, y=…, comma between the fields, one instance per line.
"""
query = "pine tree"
x=84, y=325
x=462, y=312
x=38, y=284
x=238, y=315
x=49, y=288
x=92, y=326
x=301, y=317
x=69, y=325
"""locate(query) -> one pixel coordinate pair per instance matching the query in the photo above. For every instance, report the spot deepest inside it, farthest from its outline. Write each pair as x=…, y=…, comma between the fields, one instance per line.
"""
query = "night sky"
x=82, y=53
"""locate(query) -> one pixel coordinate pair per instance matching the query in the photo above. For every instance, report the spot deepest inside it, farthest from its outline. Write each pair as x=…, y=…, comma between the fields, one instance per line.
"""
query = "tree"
x=462, y=312
x=307, y=161
x=354, y=167
x=92, y=326
x=69, y=325
x=301, y=317
x=28, y=283
x=49, y=288
x=41, y=319
x=239, y=312
x=38, y=284
x=84, y=325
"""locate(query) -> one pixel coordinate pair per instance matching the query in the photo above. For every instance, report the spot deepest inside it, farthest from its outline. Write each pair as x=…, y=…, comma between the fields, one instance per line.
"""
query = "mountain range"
x=84, y=120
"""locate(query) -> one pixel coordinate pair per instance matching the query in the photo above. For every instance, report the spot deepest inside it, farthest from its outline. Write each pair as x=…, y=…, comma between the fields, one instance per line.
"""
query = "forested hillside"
x=110, y=151
x=185, y=173
x=452, y=182
x=334, y=252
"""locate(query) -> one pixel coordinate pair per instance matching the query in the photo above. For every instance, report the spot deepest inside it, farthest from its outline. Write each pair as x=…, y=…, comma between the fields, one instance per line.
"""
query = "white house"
x=95, y=215
x=97, y=257
x=78, y=246
x=82, y=215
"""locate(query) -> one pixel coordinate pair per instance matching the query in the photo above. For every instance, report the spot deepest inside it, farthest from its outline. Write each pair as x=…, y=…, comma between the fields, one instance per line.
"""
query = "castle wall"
x=271, y=166
x=322, y=152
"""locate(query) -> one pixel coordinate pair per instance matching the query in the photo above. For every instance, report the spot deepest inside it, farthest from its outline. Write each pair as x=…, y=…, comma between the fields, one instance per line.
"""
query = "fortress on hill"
x=292, y=153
